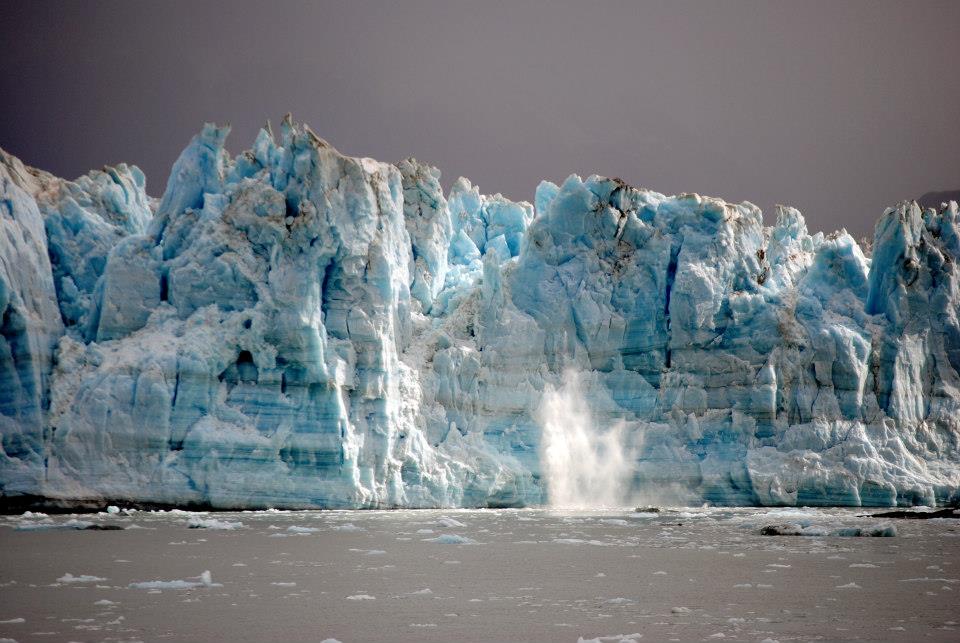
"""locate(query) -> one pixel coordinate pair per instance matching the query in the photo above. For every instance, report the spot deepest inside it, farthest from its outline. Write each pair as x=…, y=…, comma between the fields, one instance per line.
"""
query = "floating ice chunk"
x=166, y=584
x=213, y=523
x=885, y=530
x=792, y=529
x=369, y=552
x=361, y=597
x=882, y=530
x=297, y=529
x=789, y=530
x=203, y=580
x=49, y=525
x=348, y=527
x=579, y=541
x=82, y=578
x=449, y=523
x=451, y=539
x=420, y=592
x=850, y=585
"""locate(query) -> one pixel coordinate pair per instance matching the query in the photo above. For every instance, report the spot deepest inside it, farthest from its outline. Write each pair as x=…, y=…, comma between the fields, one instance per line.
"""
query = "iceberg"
x=292, y=327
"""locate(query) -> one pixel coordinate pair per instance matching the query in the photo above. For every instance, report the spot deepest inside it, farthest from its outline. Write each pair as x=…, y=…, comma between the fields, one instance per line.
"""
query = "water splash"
x=585, y=465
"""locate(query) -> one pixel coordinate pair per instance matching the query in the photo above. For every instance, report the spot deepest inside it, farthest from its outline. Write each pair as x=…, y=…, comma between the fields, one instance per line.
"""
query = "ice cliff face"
x=293, y=327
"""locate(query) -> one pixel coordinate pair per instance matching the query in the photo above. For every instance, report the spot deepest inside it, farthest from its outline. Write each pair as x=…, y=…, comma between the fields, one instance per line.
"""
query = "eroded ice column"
x=29, y=327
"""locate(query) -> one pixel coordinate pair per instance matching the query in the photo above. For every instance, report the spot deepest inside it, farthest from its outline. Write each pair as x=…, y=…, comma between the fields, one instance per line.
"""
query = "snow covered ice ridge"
x=297, y=328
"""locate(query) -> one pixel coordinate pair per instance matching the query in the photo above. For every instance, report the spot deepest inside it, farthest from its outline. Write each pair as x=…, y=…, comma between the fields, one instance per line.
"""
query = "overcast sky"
x=837, y=108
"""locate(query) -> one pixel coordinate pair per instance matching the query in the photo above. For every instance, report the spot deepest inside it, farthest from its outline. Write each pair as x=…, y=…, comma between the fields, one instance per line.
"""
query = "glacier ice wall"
x=294, y=327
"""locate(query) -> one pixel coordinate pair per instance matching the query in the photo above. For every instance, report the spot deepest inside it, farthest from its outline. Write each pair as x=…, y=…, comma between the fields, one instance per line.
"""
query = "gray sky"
x=837, y=108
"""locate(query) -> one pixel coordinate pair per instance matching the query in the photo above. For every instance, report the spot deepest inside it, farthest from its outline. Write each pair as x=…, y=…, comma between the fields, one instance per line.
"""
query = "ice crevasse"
x=293, y=327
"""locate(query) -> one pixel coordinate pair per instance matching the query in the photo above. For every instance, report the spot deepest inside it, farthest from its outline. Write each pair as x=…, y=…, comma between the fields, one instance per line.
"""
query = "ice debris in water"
x=48, y=524
x=451, y=539
x=203, y=580
x=213, y=523
x=795, y=529
x=297, y=529
x=292, y=327
x=82, y=578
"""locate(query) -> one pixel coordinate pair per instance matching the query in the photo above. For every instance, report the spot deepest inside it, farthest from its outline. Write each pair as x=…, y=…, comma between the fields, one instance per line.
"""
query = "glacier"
x=293, y=327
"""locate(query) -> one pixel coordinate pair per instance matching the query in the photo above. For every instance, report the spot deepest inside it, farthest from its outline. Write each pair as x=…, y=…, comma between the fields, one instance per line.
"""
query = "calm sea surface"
x=489, y=575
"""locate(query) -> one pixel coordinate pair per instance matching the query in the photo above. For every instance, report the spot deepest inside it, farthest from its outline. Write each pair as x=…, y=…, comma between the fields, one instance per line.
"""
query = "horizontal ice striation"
x=293, y=327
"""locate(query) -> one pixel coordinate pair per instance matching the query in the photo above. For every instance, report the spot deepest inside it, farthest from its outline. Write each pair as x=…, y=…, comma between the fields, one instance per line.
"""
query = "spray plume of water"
x=586, y=466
